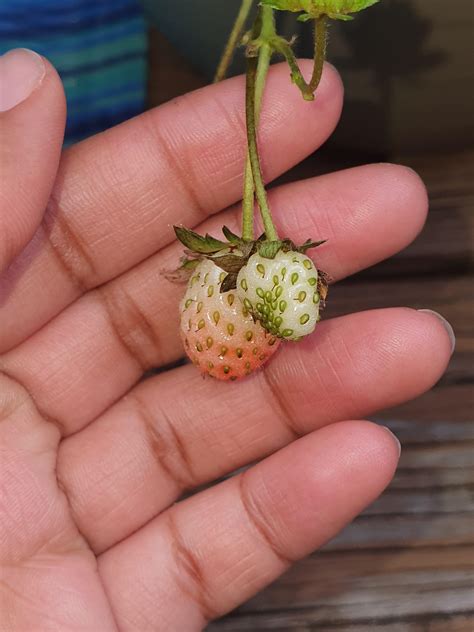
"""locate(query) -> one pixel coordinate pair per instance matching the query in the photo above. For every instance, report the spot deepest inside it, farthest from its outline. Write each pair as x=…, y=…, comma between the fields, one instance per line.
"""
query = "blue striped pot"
x=99, y=49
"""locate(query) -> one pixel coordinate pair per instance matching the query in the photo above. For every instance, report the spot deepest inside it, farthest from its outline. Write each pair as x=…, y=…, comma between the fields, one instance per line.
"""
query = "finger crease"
x=68, y=248
x=131, y=326
x=169, y=452
x=44, y=416
x=259, y=523
x=184, y=174
x=190, y=577
x=278, y=404
x=66, y=495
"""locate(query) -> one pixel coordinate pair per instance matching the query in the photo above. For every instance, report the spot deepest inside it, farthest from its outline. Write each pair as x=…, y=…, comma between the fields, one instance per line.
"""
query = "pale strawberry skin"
x=219, y=335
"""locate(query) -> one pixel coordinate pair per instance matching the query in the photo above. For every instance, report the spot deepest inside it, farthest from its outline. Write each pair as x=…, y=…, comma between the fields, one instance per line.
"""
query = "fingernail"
x=446, y=325
x=395, y=438
x=21, y=72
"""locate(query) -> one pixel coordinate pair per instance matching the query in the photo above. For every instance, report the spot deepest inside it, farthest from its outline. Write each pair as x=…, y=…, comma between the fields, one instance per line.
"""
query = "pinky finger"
x=207, y=554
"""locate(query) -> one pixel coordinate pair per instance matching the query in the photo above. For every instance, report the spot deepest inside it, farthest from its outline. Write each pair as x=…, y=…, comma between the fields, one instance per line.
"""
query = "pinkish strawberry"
x=219, y=334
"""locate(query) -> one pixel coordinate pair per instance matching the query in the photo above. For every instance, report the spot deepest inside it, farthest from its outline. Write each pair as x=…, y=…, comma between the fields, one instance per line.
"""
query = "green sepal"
x=335, y=9
x=269, y=249
x=229, y=283
x=230, y=263
x=308, y=244
x=196, y=243
x=305, y=17
x=323, y=286
x=184, y=272
x=232, y=237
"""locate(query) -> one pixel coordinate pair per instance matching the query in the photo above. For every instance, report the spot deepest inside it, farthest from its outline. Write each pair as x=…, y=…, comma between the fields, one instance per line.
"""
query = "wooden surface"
x=406, y=564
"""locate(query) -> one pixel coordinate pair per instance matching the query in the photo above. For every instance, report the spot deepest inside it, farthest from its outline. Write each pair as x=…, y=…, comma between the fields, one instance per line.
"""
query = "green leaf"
x=269, y=249
x=198, y=243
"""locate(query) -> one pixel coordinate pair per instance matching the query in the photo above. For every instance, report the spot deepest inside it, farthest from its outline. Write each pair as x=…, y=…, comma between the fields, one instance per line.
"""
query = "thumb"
x=32, y=120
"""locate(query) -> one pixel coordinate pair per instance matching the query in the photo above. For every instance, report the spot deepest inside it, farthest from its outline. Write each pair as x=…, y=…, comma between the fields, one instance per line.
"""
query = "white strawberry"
x=282, y=293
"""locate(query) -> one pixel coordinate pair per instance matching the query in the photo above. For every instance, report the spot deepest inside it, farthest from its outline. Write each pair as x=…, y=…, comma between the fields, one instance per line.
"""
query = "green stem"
x=260, y=192
x=233, y=40
x=284, y=48
x=320, y=43
x=264, y=58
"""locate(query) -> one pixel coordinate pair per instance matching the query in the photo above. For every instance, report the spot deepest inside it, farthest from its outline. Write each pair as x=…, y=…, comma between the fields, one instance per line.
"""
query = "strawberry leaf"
x=198, y=243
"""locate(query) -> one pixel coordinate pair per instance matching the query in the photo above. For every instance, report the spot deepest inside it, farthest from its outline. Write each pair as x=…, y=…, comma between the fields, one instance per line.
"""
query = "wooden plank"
x=446, y=175
x=410, y=479
x=441, y=403
x=435, y=500
x=441, y=456
x=411, y=432
x=445, y=246
x=306, y=622
x=452, y=297
x=398, y=531
x=384, y=588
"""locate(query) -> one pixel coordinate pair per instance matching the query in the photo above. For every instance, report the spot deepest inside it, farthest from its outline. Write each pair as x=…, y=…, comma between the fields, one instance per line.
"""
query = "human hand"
x=93, y=460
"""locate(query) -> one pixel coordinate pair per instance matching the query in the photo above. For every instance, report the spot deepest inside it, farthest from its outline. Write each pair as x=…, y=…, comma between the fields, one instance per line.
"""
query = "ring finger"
x=177, y=431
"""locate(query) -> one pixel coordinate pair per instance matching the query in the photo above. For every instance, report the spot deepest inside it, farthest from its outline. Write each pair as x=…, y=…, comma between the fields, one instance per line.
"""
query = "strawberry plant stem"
x=233, y=40
x=284, y=48
x=267, y=33
x=264, y=57
x=320, y=43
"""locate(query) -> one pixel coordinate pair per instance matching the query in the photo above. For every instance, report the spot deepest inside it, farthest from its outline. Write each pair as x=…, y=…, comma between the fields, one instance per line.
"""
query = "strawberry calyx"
x=313, y=9
x=230, y=255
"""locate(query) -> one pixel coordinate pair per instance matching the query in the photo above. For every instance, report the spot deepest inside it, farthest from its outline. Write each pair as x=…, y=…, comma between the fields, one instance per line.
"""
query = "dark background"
x=407, y=564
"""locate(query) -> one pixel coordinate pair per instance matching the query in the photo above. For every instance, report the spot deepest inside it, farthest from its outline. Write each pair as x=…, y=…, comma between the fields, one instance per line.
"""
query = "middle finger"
x=113, y=334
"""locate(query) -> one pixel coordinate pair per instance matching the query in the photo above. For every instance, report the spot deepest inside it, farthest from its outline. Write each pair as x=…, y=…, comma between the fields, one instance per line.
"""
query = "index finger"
x=117, y=194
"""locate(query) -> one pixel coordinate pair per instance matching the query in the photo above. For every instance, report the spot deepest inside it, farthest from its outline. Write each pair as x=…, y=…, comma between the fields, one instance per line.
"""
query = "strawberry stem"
x=267, y=34
x=233, y=41
x=284, y=48
x=320, y=44
x=264, y=58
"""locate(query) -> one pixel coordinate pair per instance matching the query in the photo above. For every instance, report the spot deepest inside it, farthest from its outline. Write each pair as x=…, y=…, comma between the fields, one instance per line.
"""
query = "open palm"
x=93, y=458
